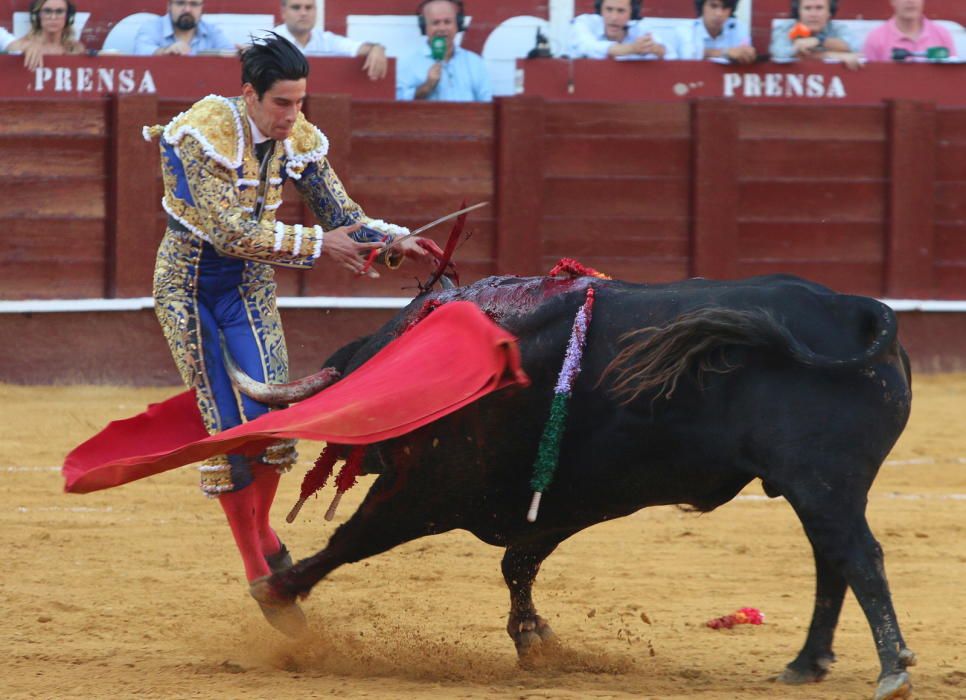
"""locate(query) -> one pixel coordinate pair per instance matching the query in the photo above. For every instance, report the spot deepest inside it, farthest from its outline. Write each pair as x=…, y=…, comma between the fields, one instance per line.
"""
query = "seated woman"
x=813, y=34
x=51, y=33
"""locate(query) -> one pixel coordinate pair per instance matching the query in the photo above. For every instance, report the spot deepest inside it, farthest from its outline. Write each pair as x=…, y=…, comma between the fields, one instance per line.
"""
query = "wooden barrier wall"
x=869, y=200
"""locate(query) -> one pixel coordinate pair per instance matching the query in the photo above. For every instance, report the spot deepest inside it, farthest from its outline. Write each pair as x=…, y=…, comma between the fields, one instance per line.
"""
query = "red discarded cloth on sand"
x=452, y=358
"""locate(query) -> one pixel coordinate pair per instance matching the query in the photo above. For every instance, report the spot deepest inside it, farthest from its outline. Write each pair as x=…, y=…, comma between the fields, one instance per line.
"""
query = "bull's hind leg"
x=837, y=528
x=521, y=563
x=815, y=658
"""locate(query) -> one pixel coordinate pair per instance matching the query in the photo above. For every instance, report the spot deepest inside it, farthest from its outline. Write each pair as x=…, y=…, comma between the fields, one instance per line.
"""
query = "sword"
x=442, y=219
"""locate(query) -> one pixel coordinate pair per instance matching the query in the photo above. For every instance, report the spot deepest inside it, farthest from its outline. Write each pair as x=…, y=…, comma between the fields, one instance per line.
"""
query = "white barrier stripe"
x=932, y=305
x=40, y=306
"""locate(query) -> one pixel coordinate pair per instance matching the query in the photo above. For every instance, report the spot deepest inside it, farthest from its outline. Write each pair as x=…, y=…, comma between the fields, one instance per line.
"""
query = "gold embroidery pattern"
x=176, y=306
x=323, y=191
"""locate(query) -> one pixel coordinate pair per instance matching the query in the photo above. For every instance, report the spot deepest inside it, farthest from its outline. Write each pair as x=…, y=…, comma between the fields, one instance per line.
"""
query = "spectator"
x=181, y=32
x=457, y=75
x=614, y=31
x=715, y=34
x=298, y=26
x=908, y=29
x=51, y=33
x=811, y=33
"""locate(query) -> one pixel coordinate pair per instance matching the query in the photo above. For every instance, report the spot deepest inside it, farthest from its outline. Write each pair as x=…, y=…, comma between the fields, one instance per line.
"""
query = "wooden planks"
x=799, y=241
x=829, y=199
x=32, y=118
x=762, y=159
x=662, y=120
x=81, y=156
x=131, y=231
x=807, y=123
x=715, y=192
x=869, y=199
x=615, y=191
x=52, y=258
x=950, y=211
x=813, y=194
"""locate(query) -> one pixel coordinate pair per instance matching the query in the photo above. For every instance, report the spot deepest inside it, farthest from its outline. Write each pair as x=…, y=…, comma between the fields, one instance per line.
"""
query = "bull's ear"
x=277, y=394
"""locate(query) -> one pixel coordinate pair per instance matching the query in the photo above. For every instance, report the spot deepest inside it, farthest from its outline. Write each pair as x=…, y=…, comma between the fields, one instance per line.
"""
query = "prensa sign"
x=783, y=85
x=84, y=79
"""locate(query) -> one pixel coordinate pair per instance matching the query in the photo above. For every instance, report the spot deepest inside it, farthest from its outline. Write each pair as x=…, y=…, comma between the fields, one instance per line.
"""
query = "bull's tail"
x=656, y=357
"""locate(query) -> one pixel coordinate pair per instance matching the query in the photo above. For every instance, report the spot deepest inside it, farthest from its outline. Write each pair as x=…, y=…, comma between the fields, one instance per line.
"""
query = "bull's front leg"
x=521, y=563
x=389, y=516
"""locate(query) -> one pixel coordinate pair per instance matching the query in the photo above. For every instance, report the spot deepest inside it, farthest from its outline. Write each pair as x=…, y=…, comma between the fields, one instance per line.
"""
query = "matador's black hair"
x=269, y=59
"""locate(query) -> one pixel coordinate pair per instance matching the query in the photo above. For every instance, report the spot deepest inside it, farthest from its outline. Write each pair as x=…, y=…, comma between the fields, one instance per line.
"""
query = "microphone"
x=437, y=45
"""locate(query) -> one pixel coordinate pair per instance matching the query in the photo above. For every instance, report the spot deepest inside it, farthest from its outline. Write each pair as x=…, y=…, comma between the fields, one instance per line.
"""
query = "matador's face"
x=275, y=112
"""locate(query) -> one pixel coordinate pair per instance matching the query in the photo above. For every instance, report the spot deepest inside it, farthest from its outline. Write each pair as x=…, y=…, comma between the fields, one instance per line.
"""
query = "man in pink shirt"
x=907, y=29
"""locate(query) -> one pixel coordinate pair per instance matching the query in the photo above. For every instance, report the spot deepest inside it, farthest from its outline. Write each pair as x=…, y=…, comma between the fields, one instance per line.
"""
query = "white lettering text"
x=42, y=76
x=62, y=81
x=125, y=81
x=85, y=80
x=147, y=83
x=780, y=85
x=105, y=80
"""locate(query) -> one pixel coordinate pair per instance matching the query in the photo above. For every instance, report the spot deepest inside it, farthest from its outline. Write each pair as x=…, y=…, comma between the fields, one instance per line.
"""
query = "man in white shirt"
x=298, y=26
x=614, y=32
x=715, y=34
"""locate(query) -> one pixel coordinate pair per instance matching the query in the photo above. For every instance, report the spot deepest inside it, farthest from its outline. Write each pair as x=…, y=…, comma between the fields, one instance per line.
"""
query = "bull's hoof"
x=894, y=687
x=907, y=658
x=281, y=612
x=801, y=672
x=533, y=638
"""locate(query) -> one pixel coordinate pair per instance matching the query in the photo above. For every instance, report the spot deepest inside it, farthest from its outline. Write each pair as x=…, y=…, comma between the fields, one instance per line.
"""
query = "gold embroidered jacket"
x=212, y=187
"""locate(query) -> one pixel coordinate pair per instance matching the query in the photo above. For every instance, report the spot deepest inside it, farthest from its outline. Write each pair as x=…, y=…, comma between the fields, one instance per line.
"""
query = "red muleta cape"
x=453, y=357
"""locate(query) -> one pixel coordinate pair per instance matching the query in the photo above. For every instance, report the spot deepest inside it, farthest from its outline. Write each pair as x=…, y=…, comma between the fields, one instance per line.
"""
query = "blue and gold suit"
x=213, y=275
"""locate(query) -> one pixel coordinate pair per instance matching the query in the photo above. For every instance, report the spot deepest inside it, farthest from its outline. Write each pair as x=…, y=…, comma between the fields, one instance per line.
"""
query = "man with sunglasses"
x=180, y=32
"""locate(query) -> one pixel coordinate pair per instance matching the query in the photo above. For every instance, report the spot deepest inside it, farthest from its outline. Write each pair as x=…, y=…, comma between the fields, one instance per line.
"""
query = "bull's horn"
x=277, y=394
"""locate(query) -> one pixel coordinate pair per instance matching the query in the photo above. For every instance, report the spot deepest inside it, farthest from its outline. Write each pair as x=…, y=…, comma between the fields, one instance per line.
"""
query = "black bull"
x=773, y=378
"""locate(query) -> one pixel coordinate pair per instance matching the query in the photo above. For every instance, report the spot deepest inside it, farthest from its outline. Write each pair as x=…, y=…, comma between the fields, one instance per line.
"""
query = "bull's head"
x=278, y=394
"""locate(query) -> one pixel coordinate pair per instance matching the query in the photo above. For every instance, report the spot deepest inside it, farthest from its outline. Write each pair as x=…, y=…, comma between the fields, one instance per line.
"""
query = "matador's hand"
x=347, y=253
x=415, y=249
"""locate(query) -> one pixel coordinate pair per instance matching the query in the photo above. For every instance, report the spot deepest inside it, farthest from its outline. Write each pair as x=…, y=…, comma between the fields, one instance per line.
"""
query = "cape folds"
x=454, y=357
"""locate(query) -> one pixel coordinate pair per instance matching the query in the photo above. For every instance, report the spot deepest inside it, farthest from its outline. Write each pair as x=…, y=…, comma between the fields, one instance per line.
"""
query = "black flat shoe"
x=280, y=561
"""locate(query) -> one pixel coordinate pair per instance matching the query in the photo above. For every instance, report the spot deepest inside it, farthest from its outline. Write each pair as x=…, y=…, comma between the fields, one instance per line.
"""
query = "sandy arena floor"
x=138, y=592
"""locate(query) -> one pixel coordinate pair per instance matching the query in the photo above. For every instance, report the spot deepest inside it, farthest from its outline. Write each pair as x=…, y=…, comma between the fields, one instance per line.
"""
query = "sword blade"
x=431, y=224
